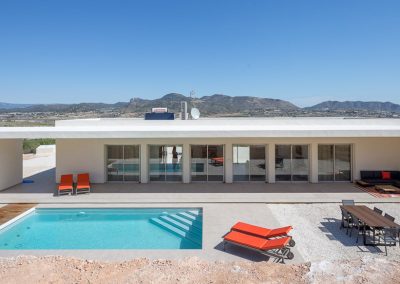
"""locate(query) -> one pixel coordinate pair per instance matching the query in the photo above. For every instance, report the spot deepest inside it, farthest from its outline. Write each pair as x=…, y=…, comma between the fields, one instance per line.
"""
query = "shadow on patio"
x=43, y=182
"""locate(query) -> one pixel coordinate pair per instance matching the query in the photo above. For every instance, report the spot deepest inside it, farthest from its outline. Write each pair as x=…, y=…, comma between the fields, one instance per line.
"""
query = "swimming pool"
x=82, y=228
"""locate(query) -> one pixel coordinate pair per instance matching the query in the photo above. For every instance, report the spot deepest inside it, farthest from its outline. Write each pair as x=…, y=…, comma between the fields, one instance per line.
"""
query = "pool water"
x=155, y=228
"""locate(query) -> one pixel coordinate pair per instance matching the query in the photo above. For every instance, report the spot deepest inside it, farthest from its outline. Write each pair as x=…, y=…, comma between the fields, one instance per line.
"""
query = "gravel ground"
x=317, y=233
x=53, y=269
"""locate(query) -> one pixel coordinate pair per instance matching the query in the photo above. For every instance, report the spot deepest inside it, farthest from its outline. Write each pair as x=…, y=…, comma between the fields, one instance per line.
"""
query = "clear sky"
x=54, y=51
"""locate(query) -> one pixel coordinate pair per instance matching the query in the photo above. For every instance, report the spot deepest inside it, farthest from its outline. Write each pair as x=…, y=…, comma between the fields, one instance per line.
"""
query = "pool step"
x=176, y=217
x=195, y=213
x=182, y=233
x=190, y=217
x=183, y=224
x=180, y=225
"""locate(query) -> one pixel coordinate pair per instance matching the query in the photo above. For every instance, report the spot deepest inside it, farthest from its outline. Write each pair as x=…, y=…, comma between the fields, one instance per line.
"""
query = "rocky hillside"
x=213, y=105
x=357, y=105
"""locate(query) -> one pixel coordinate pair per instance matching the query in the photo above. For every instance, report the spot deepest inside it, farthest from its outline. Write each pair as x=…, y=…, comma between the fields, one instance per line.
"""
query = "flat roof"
x=210, y=128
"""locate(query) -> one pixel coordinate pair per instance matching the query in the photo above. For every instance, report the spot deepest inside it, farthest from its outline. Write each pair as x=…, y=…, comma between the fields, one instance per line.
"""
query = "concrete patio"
x=42, y=190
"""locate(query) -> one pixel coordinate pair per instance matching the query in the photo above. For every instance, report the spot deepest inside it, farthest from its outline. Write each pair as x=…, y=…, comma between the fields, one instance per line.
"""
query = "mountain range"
x=209, y=105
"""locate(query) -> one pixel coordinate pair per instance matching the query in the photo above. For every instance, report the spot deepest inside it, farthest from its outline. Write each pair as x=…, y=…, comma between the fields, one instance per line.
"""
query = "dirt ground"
x=53, y=269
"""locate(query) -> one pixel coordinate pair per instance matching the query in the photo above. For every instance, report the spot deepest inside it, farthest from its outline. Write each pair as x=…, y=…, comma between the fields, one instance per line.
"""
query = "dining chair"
x=348, y=202
x=347, y=220
x=389, y=237
x=377, y=210
x=387, y=216
x=358, y=225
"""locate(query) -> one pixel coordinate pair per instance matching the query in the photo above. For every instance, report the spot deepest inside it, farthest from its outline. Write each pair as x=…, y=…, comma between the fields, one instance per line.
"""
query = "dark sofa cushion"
x=395, y=175
x=370, y=174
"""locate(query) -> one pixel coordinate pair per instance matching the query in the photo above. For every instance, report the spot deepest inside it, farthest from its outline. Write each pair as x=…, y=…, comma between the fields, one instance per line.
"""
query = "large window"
x=291, y=163
x=334, y=162
x=165, y=162
x=207, y=163
x=249, y=163
x=123, y=163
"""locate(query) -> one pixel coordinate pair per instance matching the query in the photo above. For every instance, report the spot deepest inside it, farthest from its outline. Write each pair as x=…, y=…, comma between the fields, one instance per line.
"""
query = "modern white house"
x=214, y=150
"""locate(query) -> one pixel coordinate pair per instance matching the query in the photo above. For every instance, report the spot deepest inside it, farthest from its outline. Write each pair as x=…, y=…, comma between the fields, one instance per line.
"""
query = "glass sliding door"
x=334, y=162
x=165, y=162
x=283, y=163
x=342, y=162
x=249, y=163
x=207, y=163
x=216, y=163
x=123, y=163
x=131, y=163
x=199, y=162
x=300, y=163
x=291, y=163
x=325, y=163
x=241, y=163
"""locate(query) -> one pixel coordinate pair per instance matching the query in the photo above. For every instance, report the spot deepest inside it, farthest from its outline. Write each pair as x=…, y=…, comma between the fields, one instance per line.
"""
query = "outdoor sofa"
x=372, y=178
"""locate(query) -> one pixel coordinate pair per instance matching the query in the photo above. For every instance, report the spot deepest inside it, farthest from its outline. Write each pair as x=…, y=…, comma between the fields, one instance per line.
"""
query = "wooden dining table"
x=370, y=218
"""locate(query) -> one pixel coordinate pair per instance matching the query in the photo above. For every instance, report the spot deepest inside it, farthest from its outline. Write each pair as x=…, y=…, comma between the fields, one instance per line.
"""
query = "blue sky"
x=54, y=51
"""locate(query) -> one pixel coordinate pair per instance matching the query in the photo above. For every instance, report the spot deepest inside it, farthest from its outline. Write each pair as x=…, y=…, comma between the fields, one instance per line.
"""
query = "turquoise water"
x=157, y=228
x=169, y=168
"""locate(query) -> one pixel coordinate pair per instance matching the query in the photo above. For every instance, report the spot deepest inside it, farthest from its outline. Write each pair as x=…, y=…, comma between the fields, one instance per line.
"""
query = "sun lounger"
x=83, y=183
x=66, y=185
x=264, y=232
x=278, y=248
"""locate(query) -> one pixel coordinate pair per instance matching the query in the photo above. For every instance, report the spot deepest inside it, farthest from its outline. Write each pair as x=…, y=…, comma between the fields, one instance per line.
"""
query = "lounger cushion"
x=280, y=231
x=83, y=185
x=83, y=181
x=260, y=231
x=66, y=182
x=248, y=228
x=255, y=242
x=65, y=187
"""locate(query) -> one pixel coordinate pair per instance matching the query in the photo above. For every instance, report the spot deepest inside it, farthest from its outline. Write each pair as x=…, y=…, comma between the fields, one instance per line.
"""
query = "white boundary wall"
x=88, y=155
x=10, y=162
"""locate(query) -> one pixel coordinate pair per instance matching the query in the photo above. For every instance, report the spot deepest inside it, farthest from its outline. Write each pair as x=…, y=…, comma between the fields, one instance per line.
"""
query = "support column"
x=144, y=166
x=271, y=162
x=186, y=163
x=313, y=162
x=355, y=170
x=228, y=163
x=10, y=162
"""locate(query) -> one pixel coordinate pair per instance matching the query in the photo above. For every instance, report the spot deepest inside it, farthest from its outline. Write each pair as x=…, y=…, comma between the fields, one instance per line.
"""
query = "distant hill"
x=357, y=105
x=82, y=107
x=212, y=105
x=11, y=106
x=215, y=105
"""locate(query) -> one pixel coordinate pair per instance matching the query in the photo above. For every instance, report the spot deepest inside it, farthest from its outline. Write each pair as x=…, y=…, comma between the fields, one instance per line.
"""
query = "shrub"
x=30, y=145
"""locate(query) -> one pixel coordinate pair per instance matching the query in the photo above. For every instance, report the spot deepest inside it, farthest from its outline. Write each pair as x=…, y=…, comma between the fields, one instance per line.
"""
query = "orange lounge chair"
x=278, y=248
x=83, y=183
x=66, y=185
x=264, y=232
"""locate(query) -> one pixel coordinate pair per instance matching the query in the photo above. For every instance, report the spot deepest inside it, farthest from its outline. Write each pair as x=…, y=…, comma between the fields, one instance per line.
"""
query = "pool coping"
x=16, y=218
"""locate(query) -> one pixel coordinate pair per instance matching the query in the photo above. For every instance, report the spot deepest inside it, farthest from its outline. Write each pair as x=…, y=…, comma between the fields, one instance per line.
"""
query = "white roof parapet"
x=210, y=128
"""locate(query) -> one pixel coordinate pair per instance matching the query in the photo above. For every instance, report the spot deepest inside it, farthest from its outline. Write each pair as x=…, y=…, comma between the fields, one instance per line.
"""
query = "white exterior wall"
x=75, y=156
x=10, y=162
x=88, y=155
